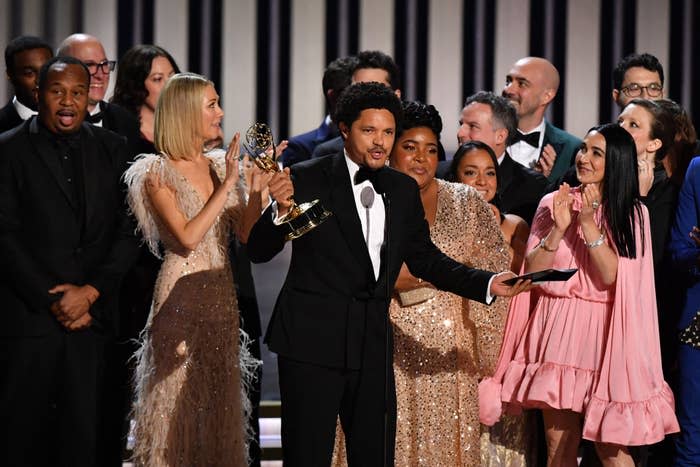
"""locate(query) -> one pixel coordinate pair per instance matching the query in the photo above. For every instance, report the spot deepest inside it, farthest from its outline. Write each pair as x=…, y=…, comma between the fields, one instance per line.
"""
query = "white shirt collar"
x=24, y=112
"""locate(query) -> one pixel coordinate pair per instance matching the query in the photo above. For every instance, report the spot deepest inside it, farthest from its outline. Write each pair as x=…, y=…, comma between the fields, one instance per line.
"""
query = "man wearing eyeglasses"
x=637, y=75
x=89, y=50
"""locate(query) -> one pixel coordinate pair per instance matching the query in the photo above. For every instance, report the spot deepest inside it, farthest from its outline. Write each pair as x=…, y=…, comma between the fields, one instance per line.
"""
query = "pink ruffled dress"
x=583, y=346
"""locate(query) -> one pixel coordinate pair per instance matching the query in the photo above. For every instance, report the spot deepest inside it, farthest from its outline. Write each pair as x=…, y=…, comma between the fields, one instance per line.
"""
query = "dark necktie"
x=373, y=176
x=533, y=139
x=94, y=119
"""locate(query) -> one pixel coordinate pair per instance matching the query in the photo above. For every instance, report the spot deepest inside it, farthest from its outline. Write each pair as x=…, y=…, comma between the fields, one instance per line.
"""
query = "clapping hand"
x=232, y=154
x=546, y=161
x=561, y=207
x=590, y=202
x=646, y=175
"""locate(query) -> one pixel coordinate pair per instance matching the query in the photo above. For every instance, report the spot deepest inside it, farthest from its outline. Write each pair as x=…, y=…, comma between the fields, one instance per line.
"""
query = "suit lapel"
x=47, y=154
x=345, y=211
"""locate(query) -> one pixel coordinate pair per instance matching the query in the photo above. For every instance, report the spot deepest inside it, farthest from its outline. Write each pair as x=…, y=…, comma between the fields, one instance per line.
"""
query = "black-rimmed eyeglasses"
x=635, y=90
x=105, y=65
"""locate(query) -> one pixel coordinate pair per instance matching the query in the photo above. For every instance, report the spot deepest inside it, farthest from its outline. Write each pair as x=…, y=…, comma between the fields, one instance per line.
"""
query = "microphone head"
x=367, y=197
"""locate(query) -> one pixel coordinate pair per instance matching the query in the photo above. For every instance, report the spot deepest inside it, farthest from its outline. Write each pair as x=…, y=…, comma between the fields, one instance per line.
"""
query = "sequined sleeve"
x=489, y=251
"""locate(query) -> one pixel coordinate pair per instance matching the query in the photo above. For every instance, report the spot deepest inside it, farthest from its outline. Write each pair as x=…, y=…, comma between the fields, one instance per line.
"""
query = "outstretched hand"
x=499, y=289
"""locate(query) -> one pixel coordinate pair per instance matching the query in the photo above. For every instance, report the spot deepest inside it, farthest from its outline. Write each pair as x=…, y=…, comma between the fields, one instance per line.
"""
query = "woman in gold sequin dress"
x=192, y=370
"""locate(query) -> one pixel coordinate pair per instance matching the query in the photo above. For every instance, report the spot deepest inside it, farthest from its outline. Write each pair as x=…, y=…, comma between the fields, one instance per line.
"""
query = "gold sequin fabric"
x=443, y=346
x=192, y=371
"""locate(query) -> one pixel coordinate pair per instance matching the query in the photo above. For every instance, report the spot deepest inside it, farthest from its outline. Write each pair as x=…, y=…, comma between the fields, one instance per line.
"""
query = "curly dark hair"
x=20, y=44
x=134, y=67
x=378, y=59
x=361, y=96
x=647, y=61
x=416, y=114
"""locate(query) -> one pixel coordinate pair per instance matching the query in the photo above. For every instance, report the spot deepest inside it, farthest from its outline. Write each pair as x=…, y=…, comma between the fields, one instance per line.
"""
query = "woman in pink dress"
x=586, y=351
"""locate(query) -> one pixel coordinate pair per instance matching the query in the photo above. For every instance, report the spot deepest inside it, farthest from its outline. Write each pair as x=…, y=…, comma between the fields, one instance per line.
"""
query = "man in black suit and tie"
x=491, y=119
x=65, y=242
x=24, y=56
x=329, y=326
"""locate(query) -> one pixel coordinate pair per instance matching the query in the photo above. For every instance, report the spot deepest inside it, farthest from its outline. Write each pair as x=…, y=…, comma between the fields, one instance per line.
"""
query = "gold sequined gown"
x=192, y=372
x=444, y=345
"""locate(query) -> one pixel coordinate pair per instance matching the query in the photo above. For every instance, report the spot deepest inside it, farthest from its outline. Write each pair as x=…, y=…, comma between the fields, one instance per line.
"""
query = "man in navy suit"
x=531, y=85
x=370, y=66
x=24, y=56
x=335, y=79
x=330, y=323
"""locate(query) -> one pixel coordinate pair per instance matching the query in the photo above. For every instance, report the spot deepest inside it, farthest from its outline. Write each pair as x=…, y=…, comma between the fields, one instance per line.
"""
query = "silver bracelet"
x=596, y=243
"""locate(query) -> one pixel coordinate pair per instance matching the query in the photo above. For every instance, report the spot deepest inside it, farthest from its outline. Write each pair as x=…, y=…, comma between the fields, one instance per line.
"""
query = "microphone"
x=367, y=200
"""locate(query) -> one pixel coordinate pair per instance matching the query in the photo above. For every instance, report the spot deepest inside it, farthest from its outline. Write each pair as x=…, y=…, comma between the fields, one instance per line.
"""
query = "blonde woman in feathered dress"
x=193, y=366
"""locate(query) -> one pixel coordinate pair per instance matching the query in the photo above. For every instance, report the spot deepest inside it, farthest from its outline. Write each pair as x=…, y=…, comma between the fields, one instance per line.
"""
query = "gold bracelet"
x=544, y=246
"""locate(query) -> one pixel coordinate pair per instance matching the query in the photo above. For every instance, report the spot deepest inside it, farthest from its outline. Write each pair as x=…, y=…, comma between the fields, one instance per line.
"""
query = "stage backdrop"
x=267, y=57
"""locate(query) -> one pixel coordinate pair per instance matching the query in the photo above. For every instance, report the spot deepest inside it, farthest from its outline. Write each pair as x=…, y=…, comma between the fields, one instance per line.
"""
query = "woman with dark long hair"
x=143, y=71
x=586, y=351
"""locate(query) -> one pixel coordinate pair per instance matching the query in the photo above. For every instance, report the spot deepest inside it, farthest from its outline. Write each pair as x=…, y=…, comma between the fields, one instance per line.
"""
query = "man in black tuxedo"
x=329, y=326
x=24, y=56
x=491, y=119
x=531, y=86
x=89, y=50
x=65, y=242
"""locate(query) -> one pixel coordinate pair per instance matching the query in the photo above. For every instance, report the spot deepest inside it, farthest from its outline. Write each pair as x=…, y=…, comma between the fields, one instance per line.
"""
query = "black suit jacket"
x=330, y=147
x=9, y=118
x=45, y=241
x=119, y=120
x=521, y=188
x=565, y=145
x=331, y=309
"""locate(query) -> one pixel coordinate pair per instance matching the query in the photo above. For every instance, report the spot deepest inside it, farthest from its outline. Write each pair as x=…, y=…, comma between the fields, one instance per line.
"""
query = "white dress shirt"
x=525, y=154
x=377, y=216
x=24, y=112
x=95, y=111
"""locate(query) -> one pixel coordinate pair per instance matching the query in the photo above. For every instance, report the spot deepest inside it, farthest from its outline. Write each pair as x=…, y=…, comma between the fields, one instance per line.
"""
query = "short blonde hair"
x=179, y=114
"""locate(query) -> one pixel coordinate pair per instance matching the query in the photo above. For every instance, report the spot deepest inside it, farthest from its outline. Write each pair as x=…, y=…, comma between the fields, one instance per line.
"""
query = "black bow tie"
x=94, y=119
x=373, y=176
x=533, y=139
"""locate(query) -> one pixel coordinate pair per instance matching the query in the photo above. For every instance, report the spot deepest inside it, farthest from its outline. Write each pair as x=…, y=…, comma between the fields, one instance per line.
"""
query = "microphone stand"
x=387, y=322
